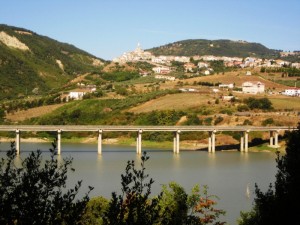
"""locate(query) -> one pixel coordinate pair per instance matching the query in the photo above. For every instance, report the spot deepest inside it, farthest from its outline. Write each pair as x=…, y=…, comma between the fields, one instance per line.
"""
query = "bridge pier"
x=244, y=141
x=58, y=142
x=242, y=145
x=139, y=142
x=18, y=141
x=274, y=139
x=271, y=138
x=99, y=142
x=212, y=141
x=176, y=142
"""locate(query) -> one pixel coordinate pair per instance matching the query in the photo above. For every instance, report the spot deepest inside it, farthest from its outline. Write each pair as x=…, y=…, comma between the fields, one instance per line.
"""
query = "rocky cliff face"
x=12, y=42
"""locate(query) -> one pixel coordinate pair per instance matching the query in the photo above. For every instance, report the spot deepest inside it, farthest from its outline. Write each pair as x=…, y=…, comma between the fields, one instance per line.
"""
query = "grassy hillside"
x=214, y=47
x=45, y=65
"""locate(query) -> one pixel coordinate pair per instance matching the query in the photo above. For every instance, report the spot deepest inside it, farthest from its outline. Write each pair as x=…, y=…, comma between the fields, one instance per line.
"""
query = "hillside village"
x=249, y=62
x=200, y=65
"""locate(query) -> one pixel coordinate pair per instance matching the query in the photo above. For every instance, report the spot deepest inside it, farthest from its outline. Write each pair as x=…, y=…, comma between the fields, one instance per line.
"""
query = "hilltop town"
x=140, y=55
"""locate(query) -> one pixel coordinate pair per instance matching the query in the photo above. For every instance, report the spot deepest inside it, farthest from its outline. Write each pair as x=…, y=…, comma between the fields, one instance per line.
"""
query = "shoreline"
x=184, y=145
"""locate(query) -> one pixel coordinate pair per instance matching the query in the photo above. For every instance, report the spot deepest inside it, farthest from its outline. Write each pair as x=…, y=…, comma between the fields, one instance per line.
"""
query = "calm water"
x=226, y=173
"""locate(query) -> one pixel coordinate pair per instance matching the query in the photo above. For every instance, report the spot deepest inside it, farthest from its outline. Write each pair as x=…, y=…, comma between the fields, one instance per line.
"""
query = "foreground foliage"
x=135, y=205
x=34, y=192
x=280, y=204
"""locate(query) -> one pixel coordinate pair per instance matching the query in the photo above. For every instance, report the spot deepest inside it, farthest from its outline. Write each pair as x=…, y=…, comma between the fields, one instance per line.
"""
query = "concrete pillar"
x=177, y=141
x=271, y=139
x=58, y=142
x=139, y=142
x=276, y=139
x=213, y=141
x=18, y=140
x=174, y=143
x=246, y=137
x=99, y=142
x=209, y=143
x=137, y=145
x=242, y=143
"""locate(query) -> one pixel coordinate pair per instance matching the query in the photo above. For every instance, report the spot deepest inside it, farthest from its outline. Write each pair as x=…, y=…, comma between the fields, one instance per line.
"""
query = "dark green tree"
x=94, y=211
x=174, y=206
x=133, y=206
x=262, y=103
x=280, y=204
x=33, y=191
x=2, y=115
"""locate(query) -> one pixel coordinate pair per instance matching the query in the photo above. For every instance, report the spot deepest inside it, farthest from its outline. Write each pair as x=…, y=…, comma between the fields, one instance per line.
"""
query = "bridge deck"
x=106, y=128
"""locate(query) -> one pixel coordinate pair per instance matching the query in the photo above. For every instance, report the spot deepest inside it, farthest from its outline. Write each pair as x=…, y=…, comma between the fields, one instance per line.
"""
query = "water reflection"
x=211, y=159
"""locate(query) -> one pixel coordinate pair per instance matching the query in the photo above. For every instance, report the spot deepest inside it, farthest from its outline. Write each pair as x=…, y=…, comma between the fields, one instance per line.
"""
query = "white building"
x=292, y=92
x=227, y=97
x=253, y=87
x=296, y=65
x=202, y=65
x=183, y=59
x=208, y=71
x=161, y=69
x=226, y=86
x=78, y=94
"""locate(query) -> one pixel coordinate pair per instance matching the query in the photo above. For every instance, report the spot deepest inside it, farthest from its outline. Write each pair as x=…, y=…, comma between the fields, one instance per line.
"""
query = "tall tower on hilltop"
x=138, y=48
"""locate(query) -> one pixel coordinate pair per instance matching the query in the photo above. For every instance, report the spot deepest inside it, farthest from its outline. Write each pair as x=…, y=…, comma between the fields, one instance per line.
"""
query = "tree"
x=2, y=115
x=262, y=103
x=280, y=204
x=172, y=206
x=33, y=190
x=193, y=119
x=94, y=211
x=177, y=207
x=133, y=206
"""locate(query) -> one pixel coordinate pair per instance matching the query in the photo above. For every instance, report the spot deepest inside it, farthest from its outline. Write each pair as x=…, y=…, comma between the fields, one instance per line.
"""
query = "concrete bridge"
x=176, y=130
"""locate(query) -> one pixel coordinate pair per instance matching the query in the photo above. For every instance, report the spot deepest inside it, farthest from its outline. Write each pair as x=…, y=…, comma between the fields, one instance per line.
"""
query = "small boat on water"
x=248, y=191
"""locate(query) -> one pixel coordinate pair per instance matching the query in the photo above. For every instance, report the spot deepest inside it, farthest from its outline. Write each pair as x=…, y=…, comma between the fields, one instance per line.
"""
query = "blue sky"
x=108, y=28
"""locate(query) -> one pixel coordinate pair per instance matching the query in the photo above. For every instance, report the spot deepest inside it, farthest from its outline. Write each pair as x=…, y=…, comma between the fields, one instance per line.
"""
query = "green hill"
x=215, y=47
x=29, y=61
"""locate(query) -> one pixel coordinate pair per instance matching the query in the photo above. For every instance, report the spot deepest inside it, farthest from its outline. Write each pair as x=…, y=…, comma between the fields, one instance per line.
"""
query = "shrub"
x=242, y=108
x=268, y=121
x=208, y=120
x=262, y=103
x=33, y=192
x=193, y=119
x=218, y=120
x=247, y=122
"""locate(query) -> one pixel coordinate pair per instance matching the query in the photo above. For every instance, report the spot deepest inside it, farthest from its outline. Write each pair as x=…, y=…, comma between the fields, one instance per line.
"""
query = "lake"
x=227, y=174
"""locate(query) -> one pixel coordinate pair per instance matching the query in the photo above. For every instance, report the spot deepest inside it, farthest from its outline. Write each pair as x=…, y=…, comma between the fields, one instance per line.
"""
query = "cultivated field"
x=181, y=101
x=30, y=113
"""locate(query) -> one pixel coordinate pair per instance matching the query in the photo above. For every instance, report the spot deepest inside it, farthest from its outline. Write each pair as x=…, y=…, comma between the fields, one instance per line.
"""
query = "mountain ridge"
x=221, y=47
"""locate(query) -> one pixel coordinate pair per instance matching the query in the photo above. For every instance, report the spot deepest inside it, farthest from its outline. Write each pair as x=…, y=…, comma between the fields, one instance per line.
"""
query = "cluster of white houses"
x=292, y=92
x=140, y=55
x=162, y=69
x=253, y=87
